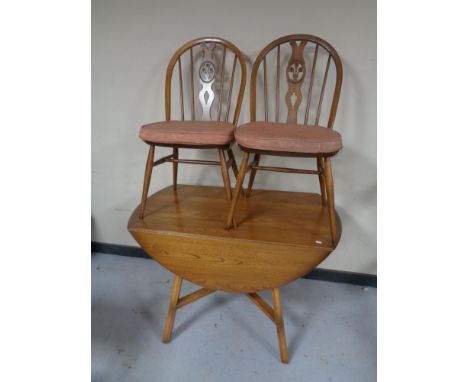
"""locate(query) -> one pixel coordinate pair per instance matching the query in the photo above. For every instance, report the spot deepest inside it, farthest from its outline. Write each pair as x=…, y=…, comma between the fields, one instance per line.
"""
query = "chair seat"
x=288, y=138
x=192, y=133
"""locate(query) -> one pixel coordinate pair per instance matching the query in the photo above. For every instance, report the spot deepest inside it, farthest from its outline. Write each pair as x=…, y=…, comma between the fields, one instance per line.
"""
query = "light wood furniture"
x=207, y=85
x=302, y=63
x=281, y=236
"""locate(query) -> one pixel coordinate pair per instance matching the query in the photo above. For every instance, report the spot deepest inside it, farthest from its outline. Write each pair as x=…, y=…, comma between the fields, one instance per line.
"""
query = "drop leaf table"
x=281, y=236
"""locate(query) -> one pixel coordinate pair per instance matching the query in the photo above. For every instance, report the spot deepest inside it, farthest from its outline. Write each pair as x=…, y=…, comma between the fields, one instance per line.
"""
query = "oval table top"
x=280, y=236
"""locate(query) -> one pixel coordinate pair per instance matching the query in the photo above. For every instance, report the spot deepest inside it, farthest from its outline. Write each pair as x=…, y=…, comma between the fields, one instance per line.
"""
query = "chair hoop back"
x=211, y=78
x=293, y=70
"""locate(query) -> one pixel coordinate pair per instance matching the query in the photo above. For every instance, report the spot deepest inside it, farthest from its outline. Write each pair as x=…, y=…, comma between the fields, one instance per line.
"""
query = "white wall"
x=132, y=44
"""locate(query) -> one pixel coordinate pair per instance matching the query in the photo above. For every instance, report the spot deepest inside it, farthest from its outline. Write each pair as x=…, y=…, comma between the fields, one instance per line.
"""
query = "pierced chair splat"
x=206, y=101
x=303, y=64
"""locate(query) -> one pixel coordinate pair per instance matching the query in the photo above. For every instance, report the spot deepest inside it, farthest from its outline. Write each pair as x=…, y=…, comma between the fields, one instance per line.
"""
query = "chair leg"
x=240, y=180
x=278, y=315
x=234, y=166
x=233, y=161
x=226, y=179
x=175, y=165
x=146, y=183
x=323, y=192
x=330, y=199
x=172, y=308
x=253, y=172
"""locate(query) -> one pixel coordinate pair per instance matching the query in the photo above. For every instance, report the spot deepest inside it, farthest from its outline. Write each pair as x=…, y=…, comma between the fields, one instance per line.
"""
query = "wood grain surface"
x=280, y=237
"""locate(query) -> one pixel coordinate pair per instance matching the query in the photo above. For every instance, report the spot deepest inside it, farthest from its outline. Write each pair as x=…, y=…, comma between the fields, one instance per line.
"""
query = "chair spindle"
x=277, y=83
x=311, y=85
x=192, y=88
x=222, y=84
x=230, y=89
x=265, y=88
x=317, y=118
x=181, y=91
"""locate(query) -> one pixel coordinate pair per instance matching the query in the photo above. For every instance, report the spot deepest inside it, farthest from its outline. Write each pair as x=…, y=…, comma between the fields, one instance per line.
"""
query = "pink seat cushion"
x=285, y=137
x=196, y=133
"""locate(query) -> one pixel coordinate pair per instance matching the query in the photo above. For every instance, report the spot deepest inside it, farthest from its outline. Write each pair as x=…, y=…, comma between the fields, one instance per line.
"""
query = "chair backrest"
x=300, y=63
x=208, y=82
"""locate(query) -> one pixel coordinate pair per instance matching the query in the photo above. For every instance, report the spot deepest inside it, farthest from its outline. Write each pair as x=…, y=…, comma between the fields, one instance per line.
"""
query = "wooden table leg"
x=280, y=326
x=275, y=313
x=172, y=308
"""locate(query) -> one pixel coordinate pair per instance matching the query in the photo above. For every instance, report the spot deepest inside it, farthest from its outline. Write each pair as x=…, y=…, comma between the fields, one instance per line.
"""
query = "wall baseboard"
x=344, y=277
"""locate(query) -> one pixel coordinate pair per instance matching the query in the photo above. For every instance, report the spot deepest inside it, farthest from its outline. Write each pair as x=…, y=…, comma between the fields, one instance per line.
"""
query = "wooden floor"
x=280, y=236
